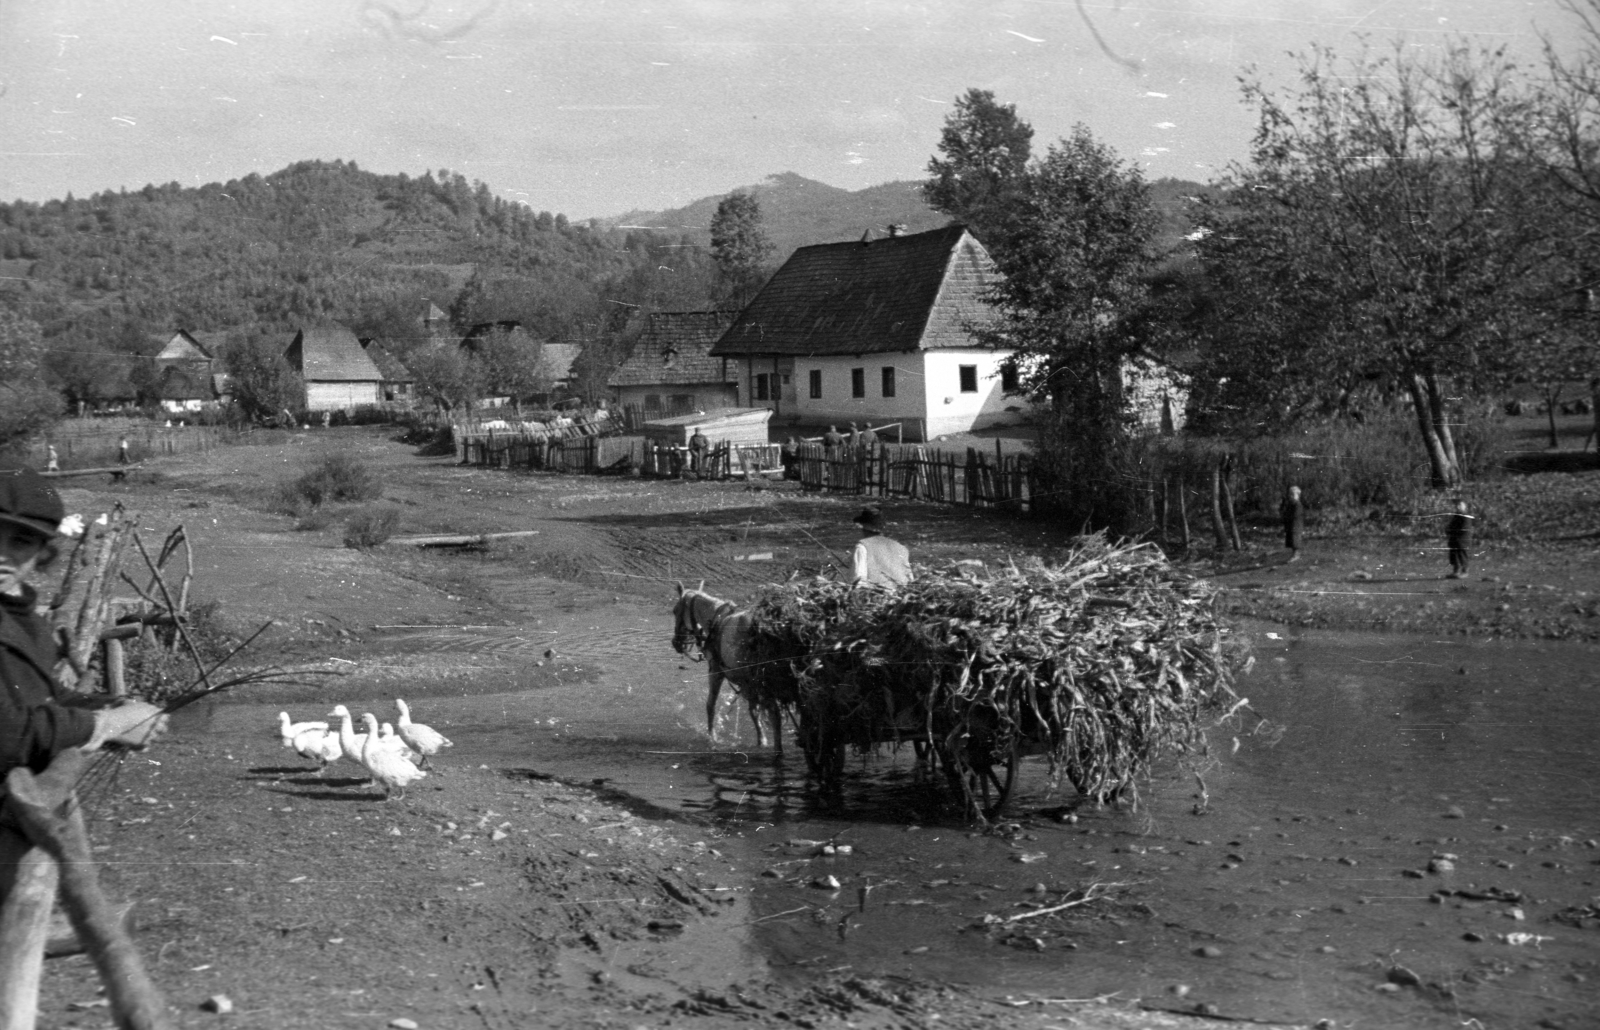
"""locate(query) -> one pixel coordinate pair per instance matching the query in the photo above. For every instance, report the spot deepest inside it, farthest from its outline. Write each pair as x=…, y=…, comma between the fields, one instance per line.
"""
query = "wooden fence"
x=82, y=447
x=887, y=470
x=917, y=473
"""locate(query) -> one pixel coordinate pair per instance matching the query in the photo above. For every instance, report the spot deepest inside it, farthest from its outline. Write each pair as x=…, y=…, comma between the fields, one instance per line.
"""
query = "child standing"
x=1458, y=535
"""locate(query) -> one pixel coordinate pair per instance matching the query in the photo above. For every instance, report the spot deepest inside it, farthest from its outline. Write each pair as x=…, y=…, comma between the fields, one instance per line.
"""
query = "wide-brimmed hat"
x=27, y=500
x=870, y=518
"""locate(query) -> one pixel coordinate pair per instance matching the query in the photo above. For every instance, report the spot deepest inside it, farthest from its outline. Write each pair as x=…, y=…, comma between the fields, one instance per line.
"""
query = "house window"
x=888, y=380
x=816, y=383
x=969, y=378
x=858, y=382
x=763, y=387
x=652, y=402
x=1008, y=378
x=683, y=401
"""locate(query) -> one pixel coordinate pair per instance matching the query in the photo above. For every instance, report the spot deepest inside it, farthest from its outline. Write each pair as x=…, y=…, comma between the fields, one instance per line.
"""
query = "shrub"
x=158, y=667
x=335, y=477
x=371, y=526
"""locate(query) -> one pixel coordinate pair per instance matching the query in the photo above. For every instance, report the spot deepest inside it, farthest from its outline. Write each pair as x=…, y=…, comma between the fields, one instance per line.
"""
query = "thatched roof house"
x=671, y=366
x=876, y=331
x=338, y=373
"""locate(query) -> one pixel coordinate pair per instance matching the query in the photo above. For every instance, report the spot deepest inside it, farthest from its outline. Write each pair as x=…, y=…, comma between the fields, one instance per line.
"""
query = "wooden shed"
x=740, y=427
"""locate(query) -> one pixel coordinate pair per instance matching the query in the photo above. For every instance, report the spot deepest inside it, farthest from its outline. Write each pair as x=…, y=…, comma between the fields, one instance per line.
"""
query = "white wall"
x=341, y=396
x=951, y=411
x=836, y=404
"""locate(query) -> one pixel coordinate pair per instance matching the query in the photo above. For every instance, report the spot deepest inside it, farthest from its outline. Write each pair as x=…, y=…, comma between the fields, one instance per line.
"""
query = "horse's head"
x=687, y=627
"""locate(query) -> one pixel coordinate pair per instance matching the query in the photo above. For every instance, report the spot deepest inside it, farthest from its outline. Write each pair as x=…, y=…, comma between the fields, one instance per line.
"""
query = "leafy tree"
x=510, y=364
x=1076, y=269
x=85, y=370
x=264, y=384
x=27, y=404
x=1386, y=231
x=740, y=246
x=446, y=376
x=986, y=150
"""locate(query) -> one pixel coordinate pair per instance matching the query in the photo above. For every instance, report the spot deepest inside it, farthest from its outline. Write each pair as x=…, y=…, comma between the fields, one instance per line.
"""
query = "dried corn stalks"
x=1103, y=663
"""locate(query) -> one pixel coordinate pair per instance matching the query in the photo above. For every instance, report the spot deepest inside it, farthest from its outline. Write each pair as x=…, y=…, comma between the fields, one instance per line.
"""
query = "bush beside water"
x=1375, y=464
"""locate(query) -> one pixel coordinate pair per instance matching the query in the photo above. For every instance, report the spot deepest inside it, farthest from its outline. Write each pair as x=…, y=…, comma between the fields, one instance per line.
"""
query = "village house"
x=187, y=374
x=397, y=388
x=338, y=374
x=877, y=331
x=671, y=370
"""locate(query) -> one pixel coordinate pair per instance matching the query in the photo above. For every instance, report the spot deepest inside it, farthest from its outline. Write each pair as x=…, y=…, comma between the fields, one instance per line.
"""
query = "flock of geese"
x=395, y=756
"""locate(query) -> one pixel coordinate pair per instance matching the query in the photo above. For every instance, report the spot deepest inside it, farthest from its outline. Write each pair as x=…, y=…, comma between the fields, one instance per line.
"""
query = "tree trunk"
x=1444, y=472
x=1227, y=502
x=1552, y=396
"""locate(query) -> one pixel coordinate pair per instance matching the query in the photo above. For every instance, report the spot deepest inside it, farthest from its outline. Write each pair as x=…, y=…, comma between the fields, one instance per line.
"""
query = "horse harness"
x=707, y=633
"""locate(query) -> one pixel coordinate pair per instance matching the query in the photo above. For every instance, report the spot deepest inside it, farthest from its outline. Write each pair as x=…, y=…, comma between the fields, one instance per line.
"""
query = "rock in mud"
x=1404, y=977
x=221, y=1004
x=1208, y=951
x=1441, y=865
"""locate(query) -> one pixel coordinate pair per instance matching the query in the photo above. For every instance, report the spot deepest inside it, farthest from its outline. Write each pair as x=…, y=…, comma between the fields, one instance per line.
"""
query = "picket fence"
x=917, y=473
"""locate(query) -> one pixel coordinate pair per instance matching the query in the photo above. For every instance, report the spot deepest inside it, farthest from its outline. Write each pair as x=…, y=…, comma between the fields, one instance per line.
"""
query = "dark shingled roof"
x=900, y=293
x=331, y=354
x=675, y=349
x=393, y=369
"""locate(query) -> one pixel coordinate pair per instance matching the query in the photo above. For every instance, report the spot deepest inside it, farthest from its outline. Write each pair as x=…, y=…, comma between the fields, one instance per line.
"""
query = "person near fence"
x=53, y=462
x=1294, y=522
x=1458, y=538
x=39, y=718
x=869, y=441
x=832, y=440
x=855, y=439
x=878, y=561
x=789, y=456
x=122, y=452
x=699, y=452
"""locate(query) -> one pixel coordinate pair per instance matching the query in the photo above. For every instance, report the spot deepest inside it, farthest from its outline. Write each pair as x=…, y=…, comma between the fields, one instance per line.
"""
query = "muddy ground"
x=495, y=896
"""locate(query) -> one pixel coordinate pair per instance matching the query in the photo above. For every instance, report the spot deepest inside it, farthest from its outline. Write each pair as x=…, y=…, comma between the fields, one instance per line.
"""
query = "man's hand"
x=133, y=724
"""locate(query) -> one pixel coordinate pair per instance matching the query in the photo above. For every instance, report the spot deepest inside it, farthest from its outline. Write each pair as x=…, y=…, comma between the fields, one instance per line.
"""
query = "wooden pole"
x=28, y=877
x=1216, y=507
x=1183, y=513
x=50, y=815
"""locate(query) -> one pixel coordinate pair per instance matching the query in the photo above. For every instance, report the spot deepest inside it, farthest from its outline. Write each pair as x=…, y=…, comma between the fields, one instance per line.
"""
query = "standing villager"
x=869, y=439
x=53, y=464
x=122, y=452
x=699, y=451
x=790, y=457
x=878, y=561
x=833, y=440
x=39, y=718
x=1458, y=537
x=1293, y=512
x=855, y=438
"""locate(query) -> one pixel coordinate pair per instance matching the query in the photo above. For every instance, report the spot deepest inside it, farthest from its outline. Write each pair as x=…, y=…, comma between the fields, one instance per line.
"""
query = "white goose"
x=388, y=738
x=388, y=768
x=320, y=746
x=290, y=730
x=351, y=743
x=425, y=739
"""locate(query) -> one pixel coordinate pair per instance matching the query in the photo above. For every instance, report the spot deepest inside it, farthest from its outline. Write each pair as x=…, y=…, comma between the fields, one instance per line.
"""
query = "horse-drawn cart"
x=1100, y=664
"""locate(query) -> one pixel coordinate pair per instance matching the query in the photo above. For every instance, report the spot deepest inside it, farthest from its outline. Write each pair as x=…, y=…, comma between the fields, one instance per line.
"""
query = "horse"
x=723, y=632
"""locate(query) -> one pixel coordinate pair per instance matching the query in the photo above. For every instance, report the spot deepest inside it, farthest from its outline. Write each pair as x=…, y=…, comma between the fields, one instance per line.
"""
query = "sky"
x=592, y=108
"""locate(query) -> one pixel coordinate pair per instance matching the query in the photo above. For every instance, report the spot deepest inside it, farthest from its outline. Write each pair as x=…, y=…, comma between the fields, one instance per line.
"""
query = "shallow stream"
x=1316, y=877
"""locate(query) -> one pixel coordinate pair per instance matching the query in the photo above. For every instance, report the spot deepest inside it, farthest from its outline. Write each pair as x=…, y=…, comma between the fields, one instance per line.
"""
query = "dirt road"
x=489, y=897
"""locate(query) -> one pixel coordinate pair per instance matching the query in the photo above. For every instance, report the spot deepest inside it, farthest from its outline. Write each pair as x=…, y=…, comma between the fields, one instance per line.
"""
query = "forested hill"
x=797, y=211
x=317, y=240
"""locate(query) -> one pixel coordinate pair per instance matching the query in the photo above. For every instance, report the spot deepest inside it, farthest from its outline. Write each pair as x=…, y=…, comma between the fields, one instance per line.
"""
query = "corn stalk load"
x=1102, y=663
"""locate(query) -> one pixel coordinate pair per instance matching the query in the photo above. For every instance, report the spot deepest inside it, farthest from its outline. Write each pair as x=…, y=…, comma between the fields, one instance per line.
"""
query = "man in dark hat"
x=878, y=561
x=38, y=717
